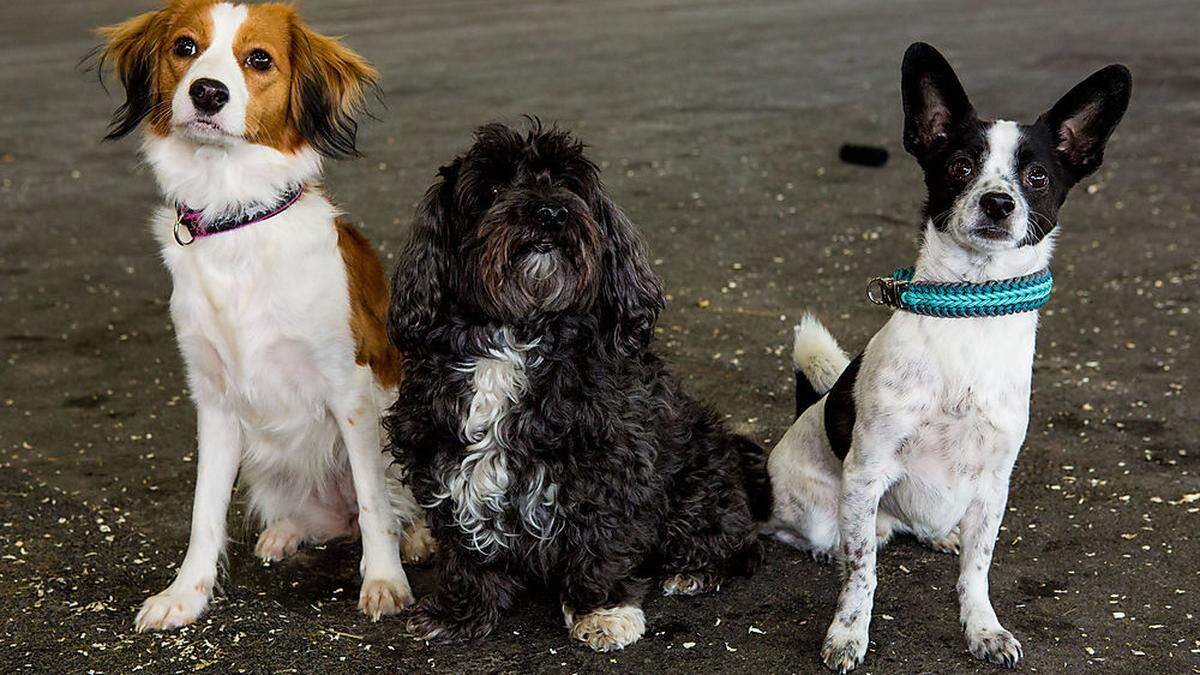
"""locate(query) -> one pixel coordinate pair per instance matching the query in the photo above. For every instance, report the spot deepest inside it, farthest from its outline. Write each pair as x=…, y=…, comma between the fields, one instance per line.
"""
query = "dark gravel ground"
x=717, y=124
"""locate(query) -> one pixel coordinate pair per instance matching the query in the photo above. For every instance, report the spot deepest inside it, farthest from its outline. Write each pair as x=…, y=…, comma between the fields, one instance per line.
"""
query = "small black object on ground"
x=863, y=155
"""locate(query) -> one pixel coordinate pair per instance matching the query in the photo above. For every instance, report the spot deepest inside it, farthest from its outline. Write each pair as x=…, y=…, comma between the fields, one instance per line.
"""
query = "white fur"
x=942, y=408
x=480, y=487
x=262, y=318
x=216, y=62
x=997, y=173
x=816, y=354
x=608, y=629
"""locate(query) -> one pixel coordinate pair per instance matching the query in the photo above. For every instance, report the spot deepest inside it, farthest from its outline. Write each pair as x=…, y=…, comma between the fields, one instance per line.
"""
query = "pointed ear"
x=329, y=85
x=631, y=295
x=934, y=100
x=417, y=285
x=130, y=49
x=1083, y=120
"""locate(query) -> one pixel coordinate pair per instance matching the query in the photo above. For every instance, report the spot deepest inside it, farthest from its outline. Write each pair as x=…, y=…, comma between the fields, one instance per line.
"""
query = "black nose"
x=209, y=96
x=996, y=205
x=551, y=215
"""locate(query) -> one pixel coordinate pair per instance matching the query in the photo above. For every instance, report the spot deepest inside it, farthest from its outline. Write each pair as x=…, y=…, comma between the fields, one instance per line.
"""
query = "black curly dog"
x=548, y=443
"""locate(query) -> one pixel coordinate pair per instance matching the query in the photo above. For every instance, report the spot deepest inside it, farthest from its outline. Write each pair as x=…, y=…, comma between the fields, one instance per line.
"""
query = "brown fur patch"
x=269, y=27
x=368, y=305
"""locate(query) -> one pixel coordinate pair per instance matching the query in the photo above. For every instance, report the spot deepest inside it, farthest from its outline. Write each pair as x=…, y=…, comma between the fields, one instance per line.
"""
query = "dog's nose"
x=997, y=205
x=208, y=95
x=551, y=215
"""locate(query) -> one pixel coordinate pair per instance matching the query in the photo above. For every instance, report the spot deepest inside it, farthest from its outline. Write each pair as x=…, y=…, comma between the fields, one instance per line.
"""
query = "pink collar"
x=190, y=221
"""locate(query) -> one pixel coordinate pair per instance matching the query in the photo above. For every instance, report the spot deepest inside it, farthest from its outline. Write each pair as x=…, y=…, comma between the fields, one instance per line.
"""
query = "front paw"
x=994, y=645
x=417, y=546
x=691, y=584
x=845, y=647
x=380, y=597
x=427, y=625
x=171, y=609
x=608, y=629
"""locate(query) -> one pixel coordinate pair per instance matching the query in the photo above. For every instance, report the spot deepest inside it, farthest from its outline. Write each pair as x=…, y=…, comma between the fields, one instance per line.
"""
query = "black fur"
x=325, y=115
x=649, y=482
x=806, y=394
x=941, y=128
x=839, y=410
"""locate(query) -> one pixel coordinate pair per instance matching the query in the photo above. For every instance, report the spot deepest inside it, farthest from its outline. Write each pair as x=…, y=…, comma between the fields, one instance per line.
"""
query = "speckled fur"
x=941, y=406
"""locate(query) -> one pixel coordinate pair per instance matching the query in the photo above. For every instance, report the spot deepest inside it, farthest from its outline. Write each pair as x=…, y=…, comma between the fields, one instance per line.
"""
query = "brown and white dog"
x=278, y=304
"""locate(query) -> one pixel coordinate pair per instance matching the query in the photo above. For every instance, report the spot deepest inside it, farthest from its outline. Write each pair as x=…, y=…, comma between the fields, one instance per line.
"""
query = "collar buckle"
x=180, y=227
x=885, y=291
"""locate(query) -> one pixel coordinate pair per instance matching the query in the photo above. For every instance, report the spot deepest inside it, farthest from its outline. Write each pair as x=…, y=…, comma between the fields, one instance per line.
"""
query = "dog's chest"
x=259, y=320
x=966, y=387
x=498, y=491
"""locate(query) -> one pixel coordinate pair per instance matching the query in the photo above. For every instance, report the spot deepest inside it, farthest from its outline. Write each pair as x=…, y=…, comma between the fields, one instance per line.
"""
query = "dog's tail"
x=817, y=360
x=754, y=476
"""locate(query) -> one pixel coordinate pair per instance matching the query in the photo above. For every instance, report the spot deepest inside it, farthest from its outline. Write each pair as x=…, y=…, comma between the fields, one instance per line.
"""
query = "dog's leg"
x=469, y=600
x=385, y=588
x=219, y=454
x=986, y=638
x=863, y=485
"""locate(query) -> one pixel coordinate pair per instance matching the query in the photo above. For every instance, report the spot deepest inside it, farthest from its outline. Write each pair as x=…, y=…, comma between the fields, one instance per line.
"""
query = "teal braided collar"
x=950, y=299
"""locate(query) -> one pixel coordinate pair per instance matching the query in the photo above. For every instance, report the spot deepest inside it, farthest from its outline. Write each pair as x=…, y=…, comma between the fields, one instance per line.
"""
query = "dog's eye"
x=259, y=60
x=961, y=168
x=184, y=46
x=1036, y=176
x=495, y=190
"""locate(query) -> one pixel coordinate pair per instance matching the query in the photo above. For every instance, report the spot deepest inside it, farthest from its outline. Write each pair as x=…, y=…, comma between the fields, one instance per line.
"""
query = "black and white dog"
x=930, y=417
x=550, y=445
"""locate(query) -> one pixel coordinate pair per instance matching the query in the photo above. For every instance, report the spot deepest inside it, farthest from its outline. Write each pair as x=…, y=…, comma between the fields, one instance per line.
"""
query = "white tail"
x=817, y=355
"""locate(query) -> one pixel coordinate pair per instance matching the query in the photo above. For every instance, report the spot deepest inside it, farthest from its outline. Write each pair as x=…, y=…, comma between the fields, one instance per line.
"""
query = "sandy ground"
x=717, y=124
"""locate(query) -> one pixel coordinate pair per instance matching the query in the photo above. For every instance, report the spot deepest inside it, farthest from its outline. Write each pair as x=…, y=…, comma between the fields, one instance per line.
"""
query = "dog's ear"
x=1082, y=121
x=329, y=85
x=423, y=265
x=130, y=48
x=631, y=295
x=934, y=100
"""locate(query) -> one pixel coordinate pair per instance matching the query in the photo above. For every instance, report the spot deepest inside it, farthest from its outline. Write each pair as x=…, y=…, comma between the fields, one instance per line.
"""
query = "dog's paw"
x=609, y=629
x=823, y=556
x=996, y=646
x=691, y=584
x=425, y=624
x=417, y=546
x=947, y=544
x=279, y=541
x=380, y=597
x=172, y=609
x=844, y=648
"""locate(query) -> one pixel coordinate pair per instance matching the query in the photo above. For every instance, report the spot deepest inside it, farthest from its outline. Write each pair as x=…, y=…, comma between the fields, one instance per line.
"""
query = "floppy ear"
x=131, y=49
x=631, y=294
x=329, y=85
x=934, y=100
x=1083, y=120
x=422, y=268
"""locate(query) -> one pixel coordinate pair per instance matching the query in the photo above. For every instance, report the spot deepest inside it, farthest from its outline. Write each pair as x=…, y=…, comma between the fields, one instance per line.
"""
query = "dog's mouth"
x=539, y=247
x=992, y=232
x=204, y=129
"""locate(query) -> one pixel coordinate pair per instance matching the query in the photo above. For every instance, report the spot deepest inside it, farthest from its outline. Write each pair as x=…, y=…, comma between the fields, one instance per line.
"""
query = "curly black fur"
x=635, y=478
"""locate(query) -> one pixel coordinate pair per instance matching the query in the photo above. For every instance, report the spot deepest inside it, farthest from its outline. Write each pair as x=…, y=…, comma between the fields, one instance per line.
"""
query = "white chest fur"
x=486, y=500
x=958, y=391
x=261, y=317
